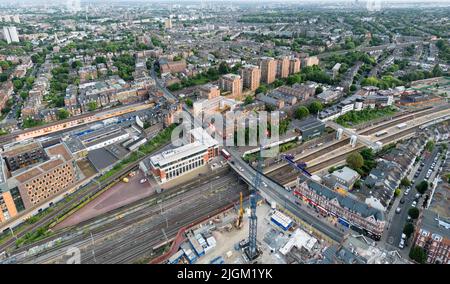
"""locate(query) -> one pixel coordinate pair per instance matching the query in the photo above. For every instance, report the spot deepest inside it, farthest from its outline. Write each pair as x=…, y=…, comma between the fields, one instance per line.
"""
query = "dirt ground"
x=119, y=195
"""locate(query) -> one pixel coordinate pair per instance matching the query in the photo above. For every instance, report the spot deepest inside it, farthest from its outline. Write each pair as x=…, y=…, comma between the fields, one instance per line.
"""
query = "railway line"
x=137, y=240
x=77, y=197
x=401, y=119
x=286, y=174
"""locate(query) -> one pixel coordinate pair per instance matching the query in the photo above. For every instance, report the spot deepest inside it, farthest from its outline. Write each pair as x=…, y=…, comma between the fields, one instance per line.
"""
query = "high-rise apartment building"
x=283, y=67
x=310, y=61
x=294, y=66
x=209, y=91
x=251, y=77
x=168, y=23
x=231, y=83
x=268, y=70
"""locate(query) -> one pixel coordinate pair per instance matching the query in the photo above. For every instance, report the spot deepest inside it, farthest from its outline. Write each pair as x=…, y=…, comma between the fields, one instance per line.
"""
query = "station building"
x=168, y=165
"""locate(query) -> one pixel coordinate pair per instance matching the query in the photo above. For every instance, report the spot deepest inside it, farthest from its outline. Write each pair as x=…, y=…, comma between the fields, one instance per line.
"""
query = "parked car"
x=398, y=210
x=402, y=201
x=414, y=204
x=401, y=244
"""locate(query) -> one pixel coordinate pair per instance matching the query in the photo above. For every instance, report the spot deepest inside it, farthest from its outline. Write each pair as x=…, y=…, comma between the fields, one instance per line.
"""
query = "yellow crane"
x=241, y=213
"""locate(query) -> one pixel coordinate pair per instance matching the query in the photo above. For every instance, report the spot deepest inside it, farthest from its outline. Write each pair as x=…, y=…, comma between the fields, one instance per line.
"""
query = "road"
x=399, y=220
x=275, y=192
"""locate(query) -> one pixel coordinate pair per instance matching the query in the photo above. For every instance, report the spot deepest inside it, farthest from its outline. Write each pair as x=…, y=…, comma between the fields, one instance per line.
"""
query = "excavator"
x=241, y=213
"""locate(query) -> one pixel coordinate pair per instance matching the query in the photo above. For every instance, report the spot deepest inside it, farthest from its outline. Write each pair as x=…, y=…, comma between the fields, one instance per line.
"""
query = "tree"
x=189, y=102
x=62, y=114
x=413, y=212
x=408, y=229
x=397, y=192
x=261, y=89
x=429, y=146
x=77, y=64
x=437, y=71
x=301, y=112
x=405, y=182
x=18, y=84
x=422, y=187
x=248, y=100
x=418, y=254
x=223, y=68
x=3, y=77
x=92, y=106
x=319, y=90
x=315, y=107
x=24, y=95
x=100, y=59
x=355, y=161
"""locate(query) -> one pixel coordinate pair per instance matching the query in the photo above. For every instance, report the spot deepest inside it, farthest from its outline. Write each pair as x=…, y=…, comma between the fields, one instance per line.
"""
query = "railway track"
x=287, y=174
x=401, y=119
x=77, y=197
x=195, y=204
x=116, y=213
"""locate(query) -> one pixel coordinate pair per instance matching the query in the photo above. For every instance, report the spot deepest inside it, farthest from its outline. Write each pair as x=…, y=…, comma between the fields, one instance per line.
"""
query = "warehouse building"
x=310, y=127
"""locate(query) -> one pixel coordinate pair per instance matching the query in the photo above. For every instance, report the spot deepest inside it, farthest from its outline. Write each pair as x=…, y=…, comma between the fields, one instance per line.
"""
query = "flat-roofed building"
x=21, y=155
x=294, y=66
x=310, y=61
x=209, y=91
x=231, y=83
x=251, y=77
x=37, y=183
x=176, y=162
x=268, y=70
x=283, y=67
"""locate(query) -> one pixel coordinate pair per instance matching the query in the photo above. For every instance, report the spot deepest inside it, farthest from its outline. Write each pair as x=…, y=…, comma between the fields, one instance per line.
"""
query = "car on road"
x=403, y=237
x=264, y=184
x=414, y=204
x=398, y=210
x=402, y=201
x=143, y=180
x=401, y=244
x=418, y=195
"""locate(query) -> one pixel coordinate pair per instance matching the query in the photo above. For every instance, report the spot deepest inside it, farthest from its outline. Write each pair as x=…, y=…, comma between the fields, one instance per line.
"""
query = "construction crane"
x=252, y=250
x=301, y=166
x=241, y=213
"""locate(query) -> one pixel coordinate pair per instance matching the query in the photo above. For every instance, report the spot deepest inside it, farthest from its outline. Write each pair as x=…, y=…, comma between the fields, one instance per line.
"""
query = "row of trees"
x=303, y=111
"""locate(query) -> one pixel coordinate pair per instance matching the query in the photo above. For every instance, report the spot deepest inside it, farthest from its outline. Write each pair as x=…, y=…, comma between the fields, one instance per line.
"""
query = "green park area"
x=353, y=118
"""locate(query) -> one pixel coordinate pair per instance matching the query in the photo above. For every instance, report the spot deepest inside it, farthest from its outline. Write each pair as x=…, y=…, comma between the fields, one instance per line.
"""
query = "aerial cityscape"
x=224, y=132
